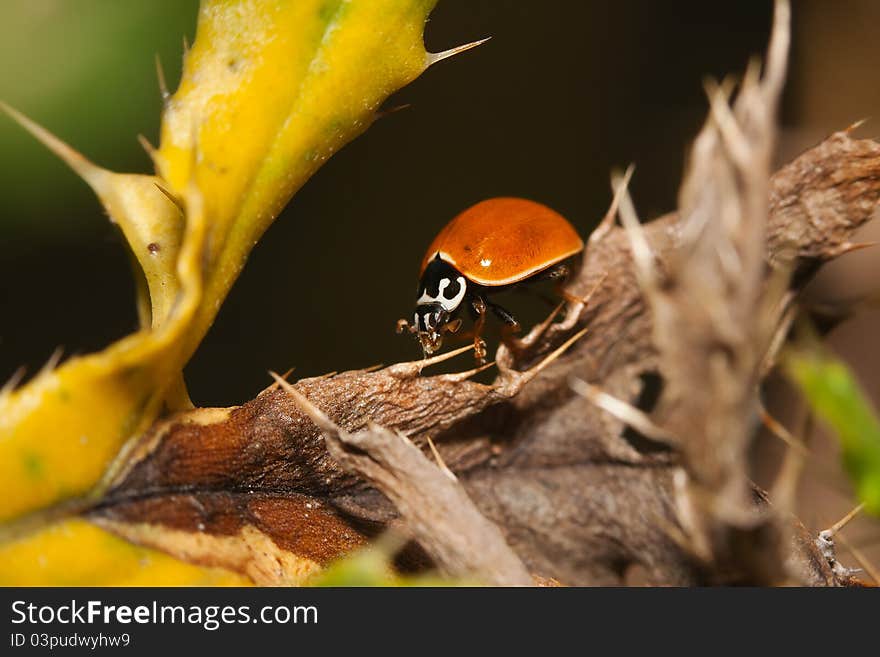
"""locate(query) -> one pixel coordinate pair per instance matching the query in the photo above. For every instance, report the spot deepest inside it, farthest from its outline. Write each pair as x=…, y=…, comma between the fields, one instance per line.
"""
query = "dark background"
x=564, y=92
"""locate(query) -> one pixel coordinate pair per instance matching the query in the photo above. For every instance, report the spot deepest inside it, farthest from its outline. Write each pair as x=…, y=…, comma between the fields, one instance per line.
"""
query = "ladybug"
x=492, y=246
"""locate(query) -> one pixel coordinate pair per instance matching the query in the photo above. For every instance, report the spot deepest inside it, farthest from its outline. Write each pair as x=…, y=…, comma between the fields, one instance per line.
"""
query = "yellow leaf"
x=59, y=432
x=272, y=89
x=76, y=553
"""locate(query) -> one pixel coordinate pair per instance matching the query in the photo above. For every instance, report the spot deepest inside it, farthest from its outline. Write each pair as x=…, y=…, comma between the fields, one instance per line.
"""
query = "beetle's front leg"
x=477, y=308
x=403, y=325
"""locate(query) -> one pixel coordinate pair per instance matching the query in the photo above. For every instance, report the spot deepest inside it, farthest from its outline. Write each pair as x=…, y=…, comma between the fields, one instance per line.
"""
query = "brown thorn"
x=784, y=490
x=585, y=300
x=147, y=146
x=623, y=411
x=544, y=325
x=440, y=463
x=171, y=197
x=160, y=76
x=385, y=113
x=843, y=522
x=643, y=256
x=849, y=247
x=81, y=165
x=516, y=380
x=274, y=386
x=414, y=367
x=373, y=368
x=434, y=57
x=561, y=349
x=852, y=128
x=800, y=450
x=317, y=416
x=861, y=559
x=51, y=363
x=426, y=362
x=463, y=376
x=777, y=429
x=610, y=217
x=13, y=381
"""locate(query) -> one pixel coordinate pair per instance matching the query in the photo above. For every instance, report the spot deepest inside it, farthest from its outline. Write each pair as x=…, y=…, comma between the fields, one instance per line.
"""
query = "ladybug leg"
x=575, y=305
x=559, y=273
x=511, y=325
x=518, y=345
x=477, y=308
x=403, y=325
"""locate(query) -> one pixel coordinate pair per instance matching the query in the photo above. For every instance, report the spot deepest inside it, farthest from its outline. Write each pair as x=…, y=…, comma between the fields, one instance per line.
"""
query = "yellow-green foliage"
x=372, y=566
x=836, y=397
x=270, y=90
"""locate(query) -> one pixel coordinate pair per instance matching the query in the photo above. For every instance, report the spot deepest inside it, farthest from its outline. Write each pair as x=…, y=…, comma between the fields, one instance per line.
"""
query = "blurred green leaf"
x=836, y=397
x=372, y=566
x=86, y=68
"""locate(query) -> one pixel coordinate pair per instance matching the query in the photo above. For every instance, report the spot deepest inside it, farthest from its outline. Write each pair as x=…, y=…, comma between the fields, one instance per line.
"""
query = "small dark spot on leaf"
x=330, y=10
x=153, y=248
x=33, y=464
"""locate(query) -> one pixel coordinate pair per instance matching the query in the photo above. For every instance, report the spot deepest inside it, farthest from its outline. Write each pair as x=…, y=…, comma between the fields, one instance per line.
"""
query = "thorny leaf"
x=270, y=90
x=836, y=396
x=152, y=224
x=59, y=432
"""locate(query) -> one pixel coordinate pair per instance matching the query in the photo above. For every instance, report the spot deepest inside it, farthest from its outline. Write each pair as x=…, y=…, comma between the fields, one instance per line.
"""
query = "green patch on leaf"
x=33, y=465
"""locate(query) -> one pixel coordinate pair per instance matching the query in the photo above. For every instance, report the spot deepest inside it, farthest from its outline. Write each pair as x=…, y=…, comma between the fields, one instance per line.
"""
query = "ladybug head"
x=441, y=292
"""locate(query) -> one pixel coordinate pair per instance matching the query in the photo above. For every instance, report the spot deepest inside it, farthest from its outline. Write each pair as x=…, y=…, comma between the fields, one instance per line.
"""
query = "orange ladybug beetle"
x=490, y=247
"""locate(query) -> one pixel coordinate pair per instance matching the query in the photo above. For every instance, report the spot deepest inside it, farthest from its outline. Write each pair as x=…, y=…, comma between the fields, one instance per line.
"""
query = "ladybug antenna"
x=434, y=57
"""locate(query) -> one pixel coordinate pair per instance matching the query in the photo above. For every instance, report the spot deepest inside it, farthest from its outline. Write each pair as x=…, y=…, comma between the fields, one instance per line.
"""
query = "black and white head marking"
x=449, y=293
x=442, y=285
x=441, y=292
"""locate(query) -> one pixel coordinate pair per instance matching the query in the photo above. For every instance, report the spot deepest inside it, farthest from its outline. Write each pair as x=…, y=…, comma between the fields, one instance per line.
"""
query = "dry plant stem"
x=710, y=309
x=435, y=509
